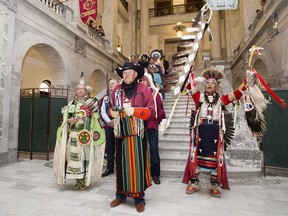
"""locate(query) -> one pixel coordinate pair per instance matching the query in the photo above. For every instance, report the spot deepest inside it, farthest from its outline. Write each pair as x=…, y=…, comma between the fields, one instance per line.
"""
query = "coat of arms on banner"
x=88, y=10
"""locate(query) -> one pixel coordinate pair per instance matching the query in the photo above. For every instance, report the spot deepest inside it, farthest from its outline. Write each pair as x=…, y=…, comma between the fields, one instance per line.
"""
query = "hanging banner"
x=223, y=4
x=88, y=10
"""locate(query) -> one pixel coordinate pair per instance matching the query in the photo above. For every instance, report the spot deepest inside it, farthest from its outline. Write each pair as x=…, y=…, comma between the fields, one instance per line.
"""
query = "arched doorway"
x=34, y=69
x=98, y=82
x=238, y=81
x=42, y=62
x=40, y=109
x=260, y=67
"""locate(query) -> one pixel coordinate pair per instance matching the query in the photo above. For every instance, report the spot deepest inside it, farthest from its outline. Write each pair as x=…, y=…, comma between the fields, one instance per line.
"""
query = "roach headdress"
x=212, y=73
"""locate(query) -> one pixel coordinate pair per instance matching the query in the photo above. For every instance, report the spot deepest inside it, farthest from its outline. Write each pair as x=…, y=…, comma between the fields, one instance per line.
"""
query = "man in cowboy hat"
x=133, y=105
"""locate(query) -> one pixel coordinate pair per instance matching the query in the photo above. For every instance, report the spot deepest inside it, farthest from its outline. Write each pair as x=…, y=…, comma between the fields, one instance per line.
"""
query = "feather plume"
x=192, y=120
x=211, y=73
x=257, y=126
x=259, y=101
x=90, y=106
x=229, y=132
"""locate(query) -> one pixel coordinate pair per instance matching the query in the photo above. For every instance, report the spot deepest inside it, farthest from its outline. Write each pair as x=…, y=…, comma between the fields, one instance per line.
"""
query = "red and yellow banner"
x=88, y=10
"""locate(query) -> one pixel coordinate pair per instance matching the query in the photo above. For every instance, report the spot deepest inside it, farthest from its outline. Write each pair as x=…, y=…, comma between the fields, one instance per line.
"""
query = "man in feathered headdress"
x=208, y=128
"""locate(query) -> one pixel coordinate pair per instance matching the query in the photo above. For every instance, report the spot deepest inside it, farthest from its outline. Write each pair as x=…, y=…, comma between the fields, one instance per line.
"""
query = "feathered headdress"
x=212, y=73
x=89, y=106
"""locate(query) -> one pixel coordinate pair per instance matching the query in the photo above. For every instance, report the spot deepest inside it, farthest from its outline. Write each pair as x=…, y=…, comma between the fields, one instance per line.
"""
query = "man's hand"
x=129, y=111
x=113, y=113
x=111, y=123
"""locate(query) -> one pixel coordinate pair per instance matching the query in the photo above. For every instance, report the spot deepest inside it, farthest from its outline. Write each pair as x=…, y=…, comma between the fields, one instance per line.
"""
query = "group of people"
x=98, y=29
x=131, y=112
x=259, y=12
x=127, y=118
x=156, y=66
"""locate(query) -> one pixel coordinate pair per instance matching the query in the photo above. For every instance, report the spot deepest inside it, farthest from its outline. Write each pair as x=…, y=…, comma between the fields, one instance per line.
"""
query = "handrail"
x=59, y=8
x=172, y=112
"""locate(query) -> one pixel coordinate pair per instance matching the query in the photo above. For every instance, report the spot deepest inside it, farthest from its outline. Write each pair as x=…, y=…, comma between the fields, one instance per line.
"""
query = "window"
x=45, y=86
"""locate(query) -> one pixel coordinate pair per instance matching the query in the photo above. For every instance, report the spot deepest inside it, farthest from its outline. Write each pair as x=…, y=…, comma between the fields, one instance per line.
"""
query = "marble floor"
x=27, y=188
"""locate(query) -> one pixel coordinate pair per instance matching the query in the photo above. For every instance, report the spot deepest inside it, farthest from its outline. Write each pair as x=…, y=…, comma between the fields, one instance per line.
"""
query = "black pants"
x=110, y=147
x=154, y=152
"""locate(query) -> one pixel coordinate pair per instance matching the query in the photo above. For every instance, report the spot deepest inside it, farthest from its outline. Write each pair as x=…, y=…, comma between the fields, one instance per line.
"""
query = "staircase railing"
x=176, y=9
x=171, y=113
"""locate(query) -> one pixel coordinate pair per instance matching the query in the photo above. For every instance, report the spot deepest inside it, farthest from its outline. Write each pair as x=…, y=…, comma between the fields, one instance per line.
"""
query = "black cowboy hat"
x=130, y=65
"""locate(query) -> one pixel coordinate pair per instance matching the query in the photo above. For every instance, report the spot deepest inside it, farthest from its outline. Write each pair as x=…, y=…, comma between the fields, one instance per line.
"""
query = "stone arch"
x=260, y=67
x=50, y=52
x=97, y=81
x=238, y=81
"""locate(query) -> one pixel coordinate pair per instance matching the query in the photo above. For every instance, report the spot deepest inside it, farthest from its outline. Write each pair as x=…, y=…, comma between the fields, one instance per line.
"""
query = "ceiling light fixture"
x=179, y=32
x=118, y=48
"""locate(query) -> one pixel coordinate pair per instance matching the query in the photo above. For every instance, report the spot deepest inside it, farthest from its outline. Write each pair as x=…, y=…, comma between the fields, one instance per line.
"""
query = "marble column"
x=133, y=16
x=8, y=109
x=109, y=22
x=76, y=20
x=248, y=15
x=144, y=26
x=215, y=26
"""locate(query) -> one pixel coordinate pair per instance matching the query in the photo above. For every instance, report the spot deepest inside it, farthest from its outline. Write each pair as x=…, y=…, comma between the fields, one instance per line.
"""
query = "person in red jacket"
x=132, y=106
x=153, y=133
x=207, y=134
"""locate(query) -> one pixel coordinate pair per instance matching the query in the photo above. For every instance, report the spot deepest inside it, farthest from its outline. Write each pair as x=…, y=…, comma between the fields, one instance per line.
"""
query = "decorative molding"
x=12, y=4
x=277, y=82
x=17, y=76
x=80, y=46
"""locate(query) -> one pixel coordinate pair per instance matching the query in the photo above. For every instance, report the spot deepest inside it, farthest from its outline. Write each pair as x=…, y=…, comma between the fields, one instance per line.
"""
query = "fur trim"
x=200, y=79
x=259, y=101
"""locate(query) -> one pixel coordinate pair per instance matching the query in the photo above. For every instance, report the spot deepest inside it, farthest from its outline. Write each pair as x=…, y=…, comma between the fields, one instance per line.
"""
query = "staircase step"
x=173, y=159
x=172, y=170
x=176, y=150
x=174, y=141
x=175, y=147
x=172, y=100
x=233, y=172
x=180, y=114
x=184, y=129
x=179, y=106
x=180, y=135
